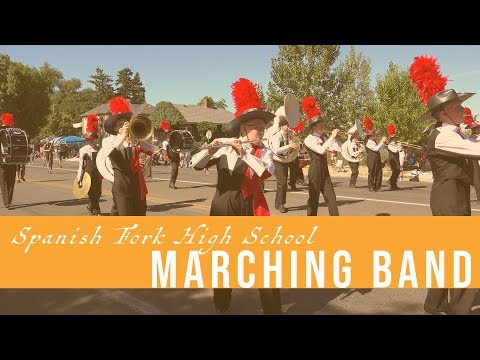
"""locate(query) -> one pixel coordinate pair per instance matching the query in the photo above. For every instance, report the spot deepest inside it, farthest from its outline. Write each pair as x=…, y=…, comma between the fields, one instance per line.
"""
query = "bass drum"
x=14, y=148
x=181, y=140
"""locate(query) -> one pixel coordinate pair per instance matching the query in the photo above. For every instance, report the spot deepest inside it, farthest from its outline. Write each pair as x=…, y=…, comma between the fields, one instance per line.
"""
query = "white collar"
x=450, y=127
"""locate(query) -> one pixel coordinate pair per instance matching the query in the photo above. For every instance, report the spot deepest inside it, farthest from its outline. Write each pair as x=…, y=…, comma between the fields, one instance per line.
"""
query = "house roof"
x=192, y=113
x=136, y=109
x=198, y=113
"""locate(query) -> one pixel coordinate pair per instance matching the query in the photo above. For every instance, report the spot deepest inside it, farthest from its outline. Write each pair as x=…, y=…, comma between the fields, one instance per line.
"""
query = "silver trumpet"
x=227, y=142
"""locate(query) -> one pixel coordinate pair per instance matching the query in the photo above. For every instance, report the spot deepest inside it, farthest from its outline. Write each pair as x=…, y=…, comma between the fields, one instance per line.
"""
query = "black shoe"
x=89, y=209
x=281, y=208
x=23, y=179
x=378, y=190
x=172, y=186
x=293, y=187
x=431, y=311
x=8, y=206
x=302, y=183
x=96, y=212
x=371, y=189
x=352, y=186
x=18, y=180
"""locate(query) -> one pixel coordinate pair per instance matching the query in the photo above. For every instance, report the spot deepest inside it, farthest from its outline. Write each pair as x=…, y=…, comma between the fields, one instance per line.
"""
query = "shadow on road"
x=49, y=180
x=70, y=202
x=324, y=205
x=174, y=205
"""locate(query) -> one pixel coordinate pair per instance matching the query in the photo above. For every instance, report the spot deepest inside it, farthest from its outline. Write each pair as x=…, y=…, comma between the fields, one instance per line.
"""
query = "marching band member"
x=317, y=144
x=354, y=151
x=448, y=150
x=281, y=145
x=7, y=171
x=87, y=163
x=374, y=162
x=471, y=124
x=241, y=166
x=394, y=149
x=129, y=188
x=48, y=150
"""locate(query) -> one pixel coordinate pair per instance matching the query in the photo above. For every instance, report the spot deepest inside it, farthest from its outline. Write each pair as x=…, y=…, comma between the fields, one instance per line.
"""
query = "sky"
x=183, y=74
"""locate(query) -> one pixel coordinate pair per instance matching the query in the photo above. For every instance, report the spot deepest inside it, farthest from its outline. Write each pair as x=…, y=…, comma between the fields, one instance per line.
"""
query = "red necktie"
x=137, y=168
x=252, y=186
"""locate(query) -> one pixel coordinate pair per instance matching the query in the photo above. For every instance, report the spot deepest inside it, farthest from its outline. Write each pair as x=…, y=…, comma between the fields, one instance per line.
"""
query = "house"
x=193, y=114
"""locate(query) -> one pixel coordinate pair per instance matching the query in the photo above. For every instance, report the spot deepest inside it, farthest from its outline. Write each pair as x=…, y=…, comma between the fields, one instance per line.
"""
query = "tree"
x=103, y=86
x=165, y=110
x=75, y=104
x=137, y=90
x=124, y=83
x=397, y=102
x=58, y=123
x=353, y=94
x=260, y=93
x=25, y=91
x=304, y=70
x=220, y=104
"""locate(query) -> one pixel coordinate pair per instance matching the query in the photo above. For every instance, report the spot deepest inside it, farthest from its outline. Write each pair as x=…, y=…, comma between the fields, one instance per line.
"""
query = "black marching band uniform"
x=394, y=149
x=317, y=144
x=174, y=157
x=87, y=163
x=448, y=152
x=280, y=145
x=129, y=188
x=238, y=190
x=374, y=161
x=48, y=150
x=8, y=172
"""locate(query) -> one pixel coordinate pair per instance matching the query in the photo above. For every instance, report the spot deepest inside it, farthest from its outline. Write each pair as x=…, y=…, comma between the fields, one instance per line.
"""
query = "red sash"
x=137, y=168
x=252, y=186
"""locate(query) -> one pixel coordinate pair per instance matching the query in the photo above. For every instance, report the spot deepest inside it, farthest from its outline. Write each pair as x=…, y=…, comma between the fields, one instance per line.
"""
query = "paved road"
x=51, y=194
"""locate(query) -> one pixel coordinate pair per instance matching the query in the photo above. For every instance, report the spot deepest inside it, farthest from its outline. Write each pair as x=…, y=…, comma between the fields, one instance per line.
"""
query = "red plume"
x=310, y=107
x=164, y=125
x=391, y=130
x=92, y=123
x=468, y=118
x=426, y=77
x=368, y=124
x=118, y=105
x=299, y=127
x=8, y=120
x=245, y=96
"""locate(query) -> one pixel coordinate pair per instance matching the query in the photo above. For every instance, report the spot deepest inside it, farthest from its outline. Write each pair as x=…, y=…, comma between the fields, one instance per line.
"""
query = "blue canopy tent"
x=71, y=139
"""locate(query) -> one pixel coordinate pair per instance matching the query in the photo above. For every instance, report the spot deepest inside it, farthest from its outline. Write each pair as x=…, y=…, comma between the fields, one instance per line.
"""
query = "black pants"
x=7, y=182
x=461, y=301
x=173, y=176
x=94, y=196
x=354, y=176
x=21, y=169
x=281, y=173
x=294, y=175
x=270, y=298
x=375, y=174
x=49, y=160
x=328, y=194
x=395, y=173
